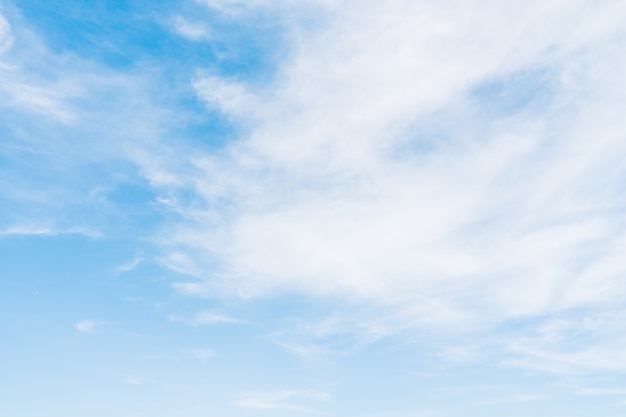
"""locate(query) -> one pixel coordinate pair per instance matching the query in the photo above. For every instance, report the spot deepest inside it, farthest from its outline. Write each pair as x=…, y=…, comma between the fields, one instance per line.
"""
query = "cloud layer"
x=450, y=166
x=460, y=160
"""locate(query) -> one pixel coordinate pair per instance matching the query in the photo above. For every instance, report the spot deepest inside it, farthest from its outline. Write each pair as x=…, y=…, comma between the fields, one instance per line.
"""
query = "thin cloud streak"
x=33, y=230
x=207, y=318
x=287, y=400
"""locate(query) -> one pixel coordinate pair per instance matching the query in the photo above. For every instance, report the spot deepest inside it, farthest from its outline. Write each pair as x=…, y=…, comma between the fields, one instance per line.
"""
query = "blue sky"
x=318, y=207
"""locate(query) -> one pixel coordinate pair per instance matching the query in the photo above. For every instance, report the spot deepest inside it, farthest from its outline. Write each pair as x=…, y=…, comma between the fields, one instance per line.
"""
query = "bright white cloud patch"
x=379, y=206
x=460, y=162
x=377, y=168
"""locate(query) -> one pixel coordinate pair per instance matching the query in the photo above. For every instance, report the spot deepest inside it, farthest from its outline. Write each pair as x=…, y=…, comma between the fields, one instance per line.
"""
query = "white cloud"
x=288, y=400
x=340, y=333
x=193, y=31
x=63, y=115
x=573, y=343
x=238, y=7
x=28, y=231
x=36, y=230
x=180, y=262
x=129, y=266
x=620, y=391
x=228, y=97
x=324, y=202
x=86, y=326
x=521, y=398
x=208, y=318
x=132, y=381
x=28, y=90
x=382, y=166
x=6, y=36
x=200, y=354
x=43, y=100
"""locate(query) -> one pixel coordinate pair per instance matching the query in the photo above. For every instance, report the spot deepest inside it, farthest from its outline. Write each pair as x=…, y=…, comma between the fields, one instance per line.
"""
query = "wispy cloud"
x=200, y=354
x=439, y=184
x=228, y=97
x=451, y=167
x=287, y=400
x=34, y=230
x=191, y=30
x=207, y=318
x=582, y=390
x=129, y=266
x=87, y=326
x=6, y=36
x=380, y=165
x=180, y=262
x=52, y=99
x=338, y=334
x=331, y=194
x=27, y=231
x=46, y=101
x=571, y=343
x=235, y=7
x=132, y=381
x=521, y=398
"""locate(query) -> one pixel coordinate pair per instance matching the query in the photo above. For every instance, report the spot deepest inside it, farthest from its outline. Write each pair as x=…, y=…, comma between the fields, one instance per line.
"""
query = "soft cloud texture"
x=200, y=354
x=356, y=200
x=288, y=400
x=86, y=326
x=33, y=230
x=342, y=186
x=457, y=162
x=193, y=31
x=62, y=112
x=208, y=318
x=6, y=37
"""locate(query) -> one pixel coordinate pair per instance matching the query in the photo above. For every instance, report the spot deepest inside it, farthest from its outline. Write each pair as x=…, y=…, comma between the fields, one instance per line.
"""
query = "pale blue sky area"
x=321, y=207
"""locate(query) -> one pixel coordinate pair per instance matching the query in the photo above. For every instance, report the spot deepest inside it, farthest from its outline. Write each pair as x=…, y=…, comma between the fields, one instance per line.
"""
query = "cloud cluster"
x=444, y=164
x=460, y=160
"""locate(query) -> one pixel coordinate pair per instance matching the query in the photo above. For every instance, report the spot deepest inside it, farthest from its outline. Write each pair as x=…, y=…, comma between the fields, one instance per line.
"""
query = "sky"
x=231, y=208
